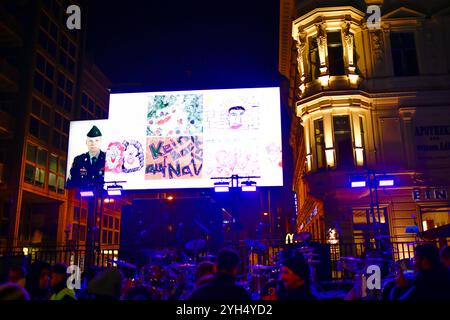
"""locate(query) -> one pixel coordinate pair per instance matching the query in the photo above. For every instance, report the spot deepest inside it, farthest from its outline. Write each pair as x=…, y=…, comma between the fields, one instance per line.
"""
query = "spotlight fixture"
x=358, y=182
x=248, y=186
x=114, y=190
x=222, y=186
x=386, y=181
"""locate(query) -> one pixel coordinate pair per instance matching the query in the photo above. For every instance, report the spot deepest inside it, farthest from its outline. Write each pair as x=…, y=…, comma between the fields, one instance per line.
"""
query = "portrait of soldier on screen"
x=88, y=168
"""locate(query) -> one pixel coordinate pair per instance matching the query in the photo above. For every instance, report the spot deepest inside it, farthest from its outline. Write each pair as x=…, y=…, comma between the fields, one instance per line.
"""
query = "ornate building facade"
x=372, y=105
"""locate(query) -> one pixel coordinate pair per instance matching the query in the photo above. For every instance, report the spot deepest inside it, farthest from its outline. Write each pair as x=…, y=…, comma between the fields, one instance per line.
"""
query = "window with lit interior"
x=319, y=139
x=343, y=141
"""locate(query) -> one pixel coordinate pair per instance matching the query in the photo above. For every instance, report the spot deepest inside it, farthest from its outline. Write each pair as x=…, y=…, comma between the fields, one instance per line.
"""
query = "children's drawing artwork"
x=114, y=157
x=175, y=115
x=133, y=156
x=174, y=158
x=227, y=159
x=124, y=157
x=274, y=154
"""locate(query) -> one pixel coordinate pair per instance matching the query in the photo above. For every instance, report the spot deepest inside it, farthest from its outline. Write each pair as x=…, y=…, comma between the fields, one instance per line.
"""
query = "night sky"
x=157, y=45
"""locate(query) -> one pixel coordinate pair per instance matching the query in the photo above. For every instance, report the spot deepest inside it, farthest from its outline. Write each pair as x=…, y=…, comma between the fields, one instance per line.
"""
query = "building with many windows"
x=46, y=81
x=372, y=108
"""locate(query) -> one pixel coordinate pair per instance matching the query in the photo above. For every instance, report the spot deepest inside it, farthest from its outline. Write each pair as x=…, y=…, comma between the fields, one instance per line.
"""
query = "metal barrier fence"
x=71, y=255
x=393, y=252
x=61, y=254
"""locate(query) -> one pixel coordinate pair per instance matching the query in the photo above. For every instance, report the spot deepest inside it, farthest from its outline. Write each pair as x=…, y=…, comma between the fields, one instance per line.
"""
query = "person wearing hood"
x=432, y=280
x=37, y=281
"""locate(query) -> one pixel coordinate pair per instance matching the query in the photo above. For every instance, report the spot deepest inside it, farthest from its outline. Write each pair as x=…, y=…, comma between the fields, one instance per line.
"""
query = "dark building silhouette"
x=46, y=81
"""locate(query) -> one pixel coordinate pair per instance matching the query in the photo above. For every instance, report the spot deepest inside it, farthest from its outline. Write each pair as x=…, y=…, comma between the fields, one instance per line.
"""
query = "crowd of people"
x=217, y=281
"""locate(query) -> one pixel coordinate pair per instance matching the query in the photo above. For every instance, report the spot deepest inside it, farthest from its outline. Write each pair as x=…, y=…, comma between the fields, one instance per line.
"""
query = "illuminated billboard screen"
x=171, y=140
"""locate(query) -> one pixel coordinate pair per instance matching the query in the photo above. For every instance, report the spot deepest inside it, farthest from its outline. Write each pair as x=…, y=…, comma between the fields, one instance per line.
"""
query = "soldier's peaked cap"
x=95, y=132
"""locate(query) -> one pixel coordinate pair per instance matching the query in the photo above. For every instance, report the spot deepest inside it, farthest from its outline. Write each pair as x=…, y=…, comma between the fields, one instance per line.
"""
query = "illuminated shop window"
x=363, y=227
x=435, y=217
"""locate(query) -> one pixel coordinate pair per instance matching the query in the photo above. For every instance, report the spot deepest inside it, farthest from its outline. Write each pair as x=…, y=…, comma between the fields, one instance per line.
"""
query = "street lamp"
x=227, y=184
x=373, y=181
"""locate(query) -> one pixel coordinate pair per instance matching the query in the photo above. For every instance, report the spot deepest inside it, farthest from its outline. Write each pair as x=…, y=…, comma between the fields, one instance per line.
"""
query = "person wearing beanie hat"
x=89, y=167
x=295, y=278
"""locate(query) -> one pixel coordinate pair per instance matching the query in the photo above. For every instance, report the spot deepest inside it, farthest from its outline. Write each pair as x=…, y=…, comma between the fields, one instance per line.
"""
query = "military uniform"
x=86, y=170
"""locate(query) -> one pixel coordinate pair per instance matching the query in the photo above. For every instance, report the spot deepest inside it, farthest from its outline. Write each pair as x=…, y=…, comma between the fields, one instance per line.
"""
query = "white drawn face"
x=235, y=118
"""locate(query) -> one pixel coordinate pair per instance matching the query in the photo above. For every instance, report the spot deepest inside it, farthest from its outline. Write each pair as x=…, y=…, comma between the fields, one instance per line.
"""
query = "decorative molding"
x=349, y=41
x=301, y=46
x=322, y=47
x=403, y=13
x=377, y=45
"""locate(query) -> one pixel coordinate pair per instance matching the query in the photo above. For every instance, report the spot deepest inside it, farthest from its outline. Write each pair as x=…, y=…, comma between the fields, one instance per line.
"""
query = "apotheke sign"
x=433, y=144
